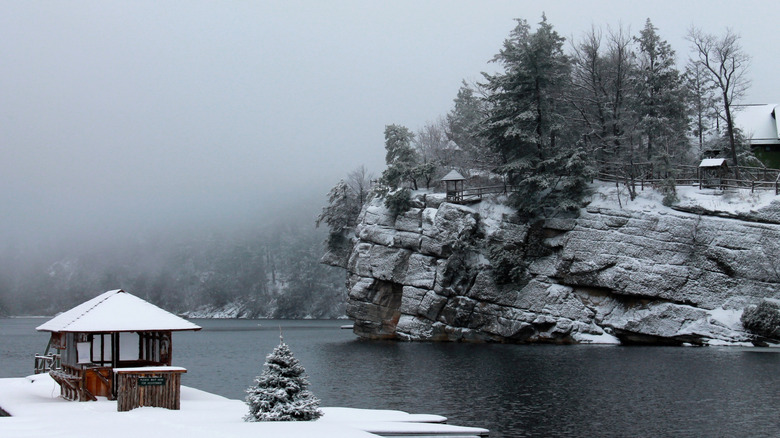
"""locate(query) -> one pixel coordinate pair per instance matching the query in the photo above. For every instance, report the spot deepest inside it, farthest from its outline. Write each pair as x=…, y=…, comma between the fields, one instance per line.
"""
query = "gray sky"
x=137, y=114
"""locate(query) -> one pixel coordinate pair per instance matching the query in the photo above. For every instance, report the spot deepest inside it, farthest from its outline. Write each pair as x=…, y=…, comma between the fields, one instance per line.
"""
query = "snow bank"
x=37, y=410
x=732, y=201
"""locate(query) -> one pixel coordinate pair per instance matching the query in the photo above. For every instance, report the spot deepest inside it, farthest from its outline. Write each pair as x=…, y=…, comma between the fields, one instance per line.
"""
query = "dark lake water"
x=513, y=390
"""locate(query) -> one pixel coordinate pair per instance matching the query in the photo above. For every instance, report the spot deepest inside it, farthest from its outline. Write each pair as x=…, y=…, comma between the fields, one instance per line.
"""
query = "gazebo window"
x=101, y=348
x=84, y=351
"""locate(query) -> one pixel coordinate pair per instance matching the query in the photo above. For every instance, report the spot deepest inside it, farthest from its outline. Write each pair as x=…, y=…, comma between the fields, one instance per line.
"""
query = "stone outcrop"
x=447, y=272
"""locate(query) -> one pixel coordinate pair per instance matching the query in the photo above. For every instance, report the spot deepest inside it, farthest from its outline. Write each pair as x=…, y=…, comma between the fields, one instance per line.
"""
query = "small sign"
x=151, y=381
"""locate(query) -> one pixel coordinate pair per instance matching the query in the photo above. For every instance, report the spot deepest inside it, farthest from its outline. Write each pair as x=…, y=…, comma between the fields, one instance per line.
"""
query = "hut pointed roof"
x=116, y=311
x=453, y=176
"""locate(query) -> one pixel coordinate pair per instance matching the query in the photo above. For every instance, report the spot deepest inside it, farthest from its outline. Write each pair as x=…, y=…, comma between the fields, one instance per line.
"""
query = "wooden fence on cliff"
x=641, y=174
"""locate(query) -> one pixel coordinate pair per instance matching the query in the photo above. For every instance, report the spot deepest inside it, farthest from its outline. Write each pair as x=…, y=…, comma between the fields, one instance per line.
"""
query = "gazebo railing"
x=47, y=362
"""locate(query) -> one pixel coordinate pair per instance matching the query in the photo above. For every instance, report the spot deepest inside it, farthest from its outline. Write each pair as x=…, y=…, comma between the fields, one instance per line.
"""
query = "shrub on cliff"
x=669, y=190
x=398, y=201
x=508, y=264
x=763, y=319
x=340, y=214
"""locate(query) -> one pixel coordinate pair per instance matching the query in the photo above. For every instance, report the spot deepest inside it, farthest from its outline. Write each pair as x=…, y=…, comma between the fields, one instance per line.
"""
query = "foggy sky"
x=118, y=116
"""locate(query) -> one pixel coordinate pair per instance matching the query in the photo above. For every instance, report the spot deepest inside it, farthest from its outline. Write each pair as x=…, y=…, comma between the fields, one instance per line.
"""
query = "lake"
x=513, y=390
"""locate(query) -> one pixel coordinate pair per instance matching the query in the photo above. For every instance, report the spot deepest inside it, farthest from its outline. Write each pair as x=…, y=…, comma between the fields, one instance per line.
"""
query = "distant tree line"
x=554, y=111
x=270, y=272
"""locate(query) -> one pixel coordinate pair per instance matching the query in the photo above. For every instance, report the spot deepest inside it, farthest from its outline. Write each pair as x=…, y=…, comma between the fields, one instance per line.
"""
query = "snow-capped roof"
x=116, y=311
x=453, y=176
x=712, y=162
x=758, y=123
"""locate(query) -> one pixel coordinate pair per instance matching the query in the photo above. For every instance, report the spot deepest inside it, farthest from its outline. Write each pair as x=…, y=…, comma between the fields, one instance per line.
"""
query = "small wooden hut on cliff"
x=712, y=172
x=110, y=346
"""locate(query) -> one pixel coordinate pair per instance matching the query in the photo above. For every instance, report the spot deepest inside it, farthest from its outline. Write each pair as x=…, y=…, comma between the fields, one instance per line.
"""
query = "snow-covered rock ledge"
x=622, y=271
x=37, y=410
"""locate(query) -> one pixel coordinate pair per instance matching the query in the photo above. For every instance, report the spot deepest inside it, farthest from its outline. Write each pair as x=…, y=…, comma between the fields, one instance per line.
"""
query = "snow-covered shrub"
x=763, y=319
x=509, y=265
x=398, y=201
x=279, y=393
x=669, y=190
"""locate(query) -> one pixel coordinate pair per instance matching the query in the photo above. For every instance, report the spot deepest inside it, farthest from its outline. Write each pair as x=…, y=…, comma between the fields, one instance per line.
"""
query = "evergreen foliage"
x=464, y=125
x=669, y=190
x=763, y=319
x=342, y=209
x=661, y=103
x=279, y=393
x=400, y=157
x=398, y=201
x=509, y=264
x=341, y=213
x=526, y=122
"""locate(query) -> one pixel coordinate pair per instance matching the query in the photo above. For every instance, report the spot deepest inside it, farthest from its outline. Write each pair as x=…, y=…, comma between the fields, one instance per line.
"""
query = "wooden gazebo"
x=453, y=183
x=118, y=346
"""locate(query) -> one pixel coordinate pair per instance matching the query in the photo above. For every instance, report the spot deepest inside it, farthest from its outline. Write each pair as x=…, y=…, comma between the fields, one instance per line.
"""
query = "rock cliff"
x=630, y=272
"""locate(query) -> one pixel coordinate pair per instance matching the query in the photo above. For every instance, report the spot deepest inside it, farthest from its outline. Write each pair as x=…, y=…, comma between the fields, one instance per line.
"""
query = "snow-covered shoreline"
x=37, y=410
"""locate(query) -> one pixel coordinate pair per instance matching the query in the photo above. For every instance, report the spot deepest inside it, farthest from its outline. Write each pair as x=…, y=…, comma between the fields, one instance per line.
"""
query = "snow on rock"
x=622, y=271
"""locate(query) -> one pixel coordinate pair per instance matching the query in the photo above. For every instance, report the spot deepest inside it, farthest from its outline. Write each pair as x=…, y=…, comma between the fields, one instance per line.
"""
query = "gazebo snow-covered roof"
x=116, y=311
x=454, y=175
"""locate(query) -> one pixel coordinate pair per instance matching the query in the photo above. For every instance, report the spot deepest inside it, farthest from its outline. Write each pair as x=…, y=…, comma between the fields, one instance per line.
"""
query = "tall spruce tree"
x=279, y=393
x=400, y=156
x=661, y=93
x=526, y=121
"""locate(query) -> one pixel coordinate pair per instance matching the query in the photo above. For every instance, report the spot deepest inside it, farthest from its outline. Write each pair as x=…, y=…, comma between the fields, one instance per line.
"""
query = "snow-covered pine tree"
x=279, y=393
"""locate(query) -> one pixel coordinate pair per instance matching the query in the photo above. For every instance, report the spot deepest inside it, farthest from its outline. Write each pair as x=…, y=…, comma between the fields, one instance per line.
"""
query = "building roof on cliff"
x=453, y=176
x=759, y=123
x=116, y=311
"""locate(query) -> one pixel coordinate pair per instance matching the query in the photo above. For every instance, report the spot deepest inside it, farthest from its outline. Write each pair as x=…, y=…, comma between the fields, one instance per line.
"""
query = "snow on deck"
x=37, y=410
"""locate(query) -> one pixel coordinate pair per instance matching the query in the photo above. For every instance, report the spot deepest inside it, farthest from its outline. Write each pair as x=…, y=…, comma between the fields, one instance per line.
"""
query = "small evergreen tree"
x=279, y=393
x=401, y=158
x=340, y=214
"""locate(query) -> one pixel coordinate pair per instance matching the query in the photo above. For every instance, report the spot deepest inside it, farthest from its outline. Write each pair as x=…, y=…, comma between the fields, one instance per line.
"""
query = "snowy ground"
x=733, y=201
x=37, y=411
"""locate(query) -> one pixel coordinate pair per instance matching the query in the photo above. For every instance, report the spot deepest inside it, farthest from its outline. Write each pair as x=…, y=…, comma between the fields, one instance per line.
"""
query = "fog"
x=120, y=118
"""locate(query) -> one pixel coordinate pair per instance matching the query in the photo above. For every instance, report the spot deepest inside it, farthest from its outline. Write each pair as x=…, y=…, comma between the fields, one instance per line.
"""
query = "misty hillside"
x=270, y=270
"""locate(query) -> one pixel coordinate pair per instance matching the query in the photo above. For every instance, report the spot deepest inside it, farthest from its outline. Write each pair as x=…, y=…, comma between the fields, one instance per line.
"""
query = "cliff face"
x=446, y=272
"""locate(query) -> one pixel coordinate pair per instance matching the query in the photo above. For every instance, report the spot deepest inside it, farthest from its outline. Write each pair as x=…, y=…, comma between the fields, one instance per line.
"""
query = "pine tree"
x=660, y=98
x=279, y=393
x=526, y=122
x=401, y=158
